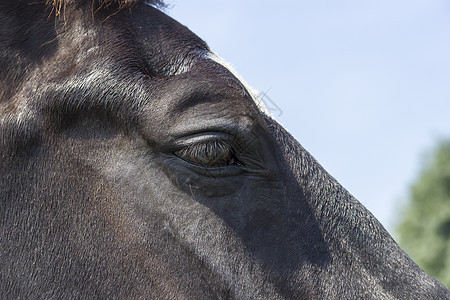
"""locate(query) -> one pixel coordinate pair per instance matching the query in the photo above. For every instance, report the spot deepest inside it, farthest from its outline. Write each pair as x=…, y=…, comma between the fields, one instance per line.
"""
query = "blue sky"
x=363, y=85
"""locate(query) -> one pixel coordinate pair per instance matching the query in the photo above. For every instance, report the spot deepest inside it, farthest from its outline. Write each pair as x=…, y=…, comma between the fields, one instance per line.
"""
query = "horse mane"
x=59, y=5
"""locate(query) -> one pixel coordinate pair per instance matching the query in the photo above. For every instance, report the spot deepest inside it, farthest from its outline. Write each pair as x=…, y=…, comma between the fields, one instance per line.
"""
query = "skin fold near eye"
x=213, y=153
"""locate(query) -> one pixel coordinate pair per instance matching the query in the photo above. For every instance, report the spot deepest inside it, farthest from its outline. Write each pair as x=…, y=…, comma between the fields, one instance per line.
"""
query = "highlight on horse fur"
x=59, y=5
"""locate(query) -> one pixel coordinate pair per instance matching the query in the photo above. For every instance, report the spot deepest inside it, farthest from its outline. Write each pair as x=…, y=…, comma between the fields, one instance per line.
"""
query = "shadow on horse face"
x=133, y=164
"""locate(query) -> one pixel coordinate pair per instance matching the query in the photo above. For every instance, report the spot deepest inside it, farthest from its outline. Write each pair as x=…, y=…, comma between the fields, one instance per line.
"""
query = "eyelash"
x=212, y=154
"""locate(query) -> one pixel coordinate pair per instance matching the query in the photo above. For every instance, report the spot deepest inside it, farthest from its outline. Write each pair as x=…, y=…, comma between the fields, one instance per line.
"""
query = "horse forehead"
x=180, y=49
x=186, y=65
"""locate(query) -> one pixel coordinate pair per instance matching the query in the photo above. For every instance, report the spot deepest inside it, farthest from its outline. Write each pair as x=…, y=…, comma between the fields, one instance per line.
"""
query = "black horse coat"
x=134, y=164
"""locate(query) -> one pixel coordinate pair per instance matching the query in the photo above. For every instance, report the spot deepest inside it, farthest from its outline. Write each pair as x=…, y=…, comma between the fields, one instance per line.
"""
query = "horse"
x=135, y=164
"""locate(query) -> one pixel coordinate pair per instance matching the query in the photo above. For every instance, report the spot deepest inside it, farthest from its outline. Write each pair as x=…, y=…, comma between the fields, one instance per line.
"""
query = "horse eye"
x=213, y=153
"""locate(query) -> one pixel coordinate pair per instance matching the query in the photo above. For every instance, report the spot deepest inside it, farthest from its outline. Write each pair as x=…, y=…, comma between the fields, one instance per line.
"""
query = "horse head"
x=134, y=163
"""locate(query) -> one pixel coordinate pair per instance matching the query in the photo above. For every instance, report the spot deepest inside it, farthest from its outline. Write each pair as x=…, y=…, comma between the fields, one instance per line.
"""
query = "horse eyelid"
x=210, y=153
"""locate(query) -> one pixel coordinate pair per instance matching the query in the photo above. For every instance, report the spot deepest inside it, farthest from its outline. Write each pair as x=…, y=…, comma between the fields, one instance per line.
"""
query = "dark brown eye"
x=213, y=153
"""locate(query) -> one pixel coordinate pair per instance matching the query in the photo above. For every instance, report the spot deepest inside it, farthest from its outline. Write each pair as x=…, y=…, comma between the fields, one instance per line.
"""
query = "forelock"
x=59, y=5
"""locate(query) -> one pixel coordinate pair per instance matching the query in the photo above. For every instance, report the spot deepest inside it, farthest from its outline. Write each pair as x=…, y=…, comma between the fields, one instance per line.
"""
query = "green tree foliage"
x=424, y=231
